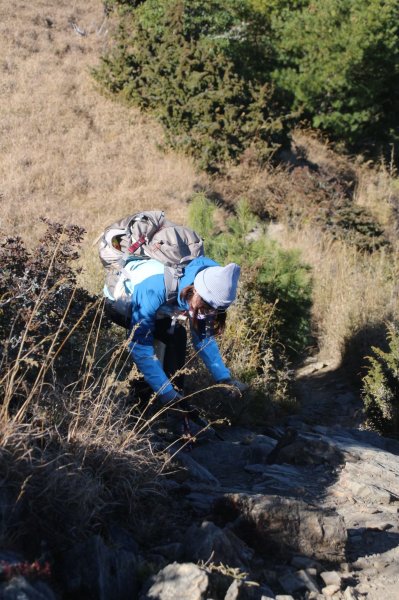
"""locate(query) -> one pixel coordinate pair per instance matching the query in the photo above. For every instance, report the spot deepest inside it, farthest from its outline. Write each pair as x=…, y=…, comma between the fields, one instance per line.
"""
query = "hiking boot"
x=174, y=426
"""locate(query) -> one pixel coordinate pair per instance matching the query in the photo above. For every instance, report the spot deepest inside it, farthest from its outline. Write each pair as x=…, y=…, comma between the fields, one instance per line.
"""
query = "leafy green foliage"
x=224, y=75
x=381, y=386
x=340, y=61
x=192, y=65
x=275, y=278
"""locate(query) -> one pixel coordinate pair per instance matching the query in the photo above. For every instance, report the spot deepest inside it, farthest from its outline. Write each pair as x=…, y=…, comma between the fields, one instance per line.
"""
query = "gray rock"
x=291, y=583
x=330, y=590
x=100, y=571
x=256, y=468
x=197, y=471
x=309, y=450
x=201, y=501
x=208, y=540
x=311, y=571
x=178, y=582
x=260, y=448
x=18, y=588
x=239, y=590
x=171, y=551
x=308, y=580
x=304, y=562
x=351, y=594
x=331, y=578
x=288, y=525
x=369, y=493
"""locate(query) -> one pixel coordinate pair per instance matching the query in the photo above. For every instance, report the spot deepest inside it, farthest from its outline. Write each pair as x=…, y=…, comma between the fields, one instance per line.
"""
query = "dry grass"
x=354, y=291
x=375, y=185
x=66, y=151
x=351, y=290
x=75, y=458
x=75, y=451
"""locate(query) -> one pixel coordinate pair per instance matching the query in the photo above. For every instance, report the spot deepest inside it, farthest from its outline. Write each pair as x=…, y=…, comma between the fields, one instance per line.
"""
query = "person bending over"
x=205, y=291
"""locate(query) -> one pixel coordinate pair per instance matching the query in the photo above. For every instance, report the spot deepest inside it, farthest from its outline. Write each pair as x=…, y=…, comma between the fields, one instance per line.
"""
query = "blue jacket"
x=148, y=293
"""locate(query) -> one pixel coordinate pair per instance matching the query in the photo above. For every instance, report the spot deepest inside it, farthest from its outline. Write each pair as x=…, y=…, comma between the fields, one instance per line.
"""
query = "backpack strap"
x=172, y=276
x=140, y=242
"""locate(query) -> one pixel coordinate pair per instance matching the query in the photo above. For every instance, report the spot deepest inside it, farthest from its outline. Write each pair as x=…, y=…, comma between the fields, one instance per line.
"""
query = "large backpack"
x=143, y=236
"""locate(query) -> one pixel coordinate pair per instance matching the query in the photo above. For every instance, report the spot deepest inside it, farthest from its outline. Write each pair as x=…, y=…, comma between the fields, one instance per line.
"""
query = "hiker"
x=204, y=292
x=156, y=273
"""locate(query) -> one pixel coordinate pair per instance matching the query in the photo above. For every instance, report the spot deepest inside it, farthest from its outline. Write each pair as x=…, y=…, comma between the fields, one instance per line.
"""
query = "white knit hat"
x=218, y=285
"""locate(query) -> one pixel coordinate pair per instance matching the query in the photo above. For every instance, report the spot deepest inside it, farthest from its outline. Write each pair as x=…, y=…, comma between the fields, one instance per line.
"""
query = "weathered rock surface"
x=98, y=571
x=19, y=588
x=208, y=541
x=288, y=525
x=178, y=582
x=311, y=495
x=239, y=590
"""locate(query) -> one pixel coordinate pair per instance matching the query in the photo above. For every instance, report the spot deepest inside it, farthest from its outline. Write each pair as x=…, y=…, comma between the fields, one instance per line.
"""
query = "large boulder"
x=275, y=524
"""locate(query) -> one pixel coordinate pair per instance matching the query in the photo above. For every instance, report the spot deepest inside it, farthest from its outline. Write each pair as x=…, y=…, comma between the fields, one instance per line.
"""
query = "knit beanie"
x=218, y=285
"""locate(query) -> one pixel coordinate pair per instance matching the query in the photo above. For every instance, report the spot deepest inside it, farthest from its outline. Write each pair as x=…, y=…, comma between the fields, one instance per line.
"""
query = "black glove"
x=236, y=388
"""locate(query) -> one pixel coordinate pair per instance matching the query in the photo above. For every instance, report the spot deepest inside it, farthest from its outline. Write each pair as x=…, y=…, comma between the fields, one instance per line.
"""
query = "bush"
x=381, y=386
x=269, y=324
x=41, y=307
x=193, y=65
x=276, y=277
x=340, y=61
x=223, y=76
x=73, y=459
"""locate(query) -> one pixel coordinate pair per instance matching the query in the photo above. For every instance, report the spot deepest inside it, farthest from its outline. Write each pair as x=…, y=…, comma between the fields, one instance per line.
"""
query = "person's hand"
x=236, y=388
x=170, y=398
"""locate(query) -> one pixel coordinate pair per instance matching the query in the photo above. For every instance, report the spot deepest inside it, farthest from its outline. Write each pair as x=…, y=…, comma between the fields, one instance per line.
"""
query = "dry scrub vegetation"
x=74, y=455
x=310, y=201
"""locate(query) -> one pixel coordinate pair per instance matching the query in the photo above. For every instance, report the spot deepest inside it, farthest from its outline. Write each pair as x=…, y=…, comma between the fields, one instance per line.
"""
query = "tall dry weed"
x=352, y=290
x=74, y=454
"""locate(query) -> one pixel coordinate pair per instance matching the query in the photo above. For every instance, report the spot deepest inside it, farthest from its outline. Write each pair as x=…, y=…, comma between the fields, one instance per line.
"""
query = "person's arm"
x=209, y=352
x=148, y=296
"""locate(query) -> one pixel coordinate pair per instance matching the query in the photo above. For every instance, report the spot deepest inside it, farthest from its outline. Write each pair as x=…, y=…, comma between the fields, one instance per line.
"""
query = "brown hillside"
x=67, y=152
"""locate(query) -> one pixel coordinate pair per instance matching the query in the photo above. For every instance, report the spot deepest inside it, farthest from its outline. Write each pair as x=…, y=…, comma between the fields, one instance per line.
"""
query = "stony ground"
x=313, y=504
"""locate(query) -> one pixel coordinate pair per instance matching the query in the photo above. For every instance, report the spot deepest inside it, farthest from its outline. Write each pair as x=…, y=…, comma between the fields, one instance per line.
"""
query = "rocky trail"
x=306, y=510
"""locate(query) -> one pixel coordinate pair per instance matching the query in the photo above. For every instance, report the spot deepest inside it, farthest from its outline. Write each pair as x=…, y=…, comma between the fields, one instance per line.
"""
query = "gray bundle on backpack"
x=141, y=236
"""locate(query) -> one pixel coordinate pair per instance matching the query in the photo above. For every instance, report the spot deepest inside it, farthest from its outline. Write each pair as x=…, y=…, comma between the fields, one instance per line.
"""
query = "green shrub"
x=340, y=61
x=273, y=276
x=196, y=67
x=224, y=75
x=381, y=386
